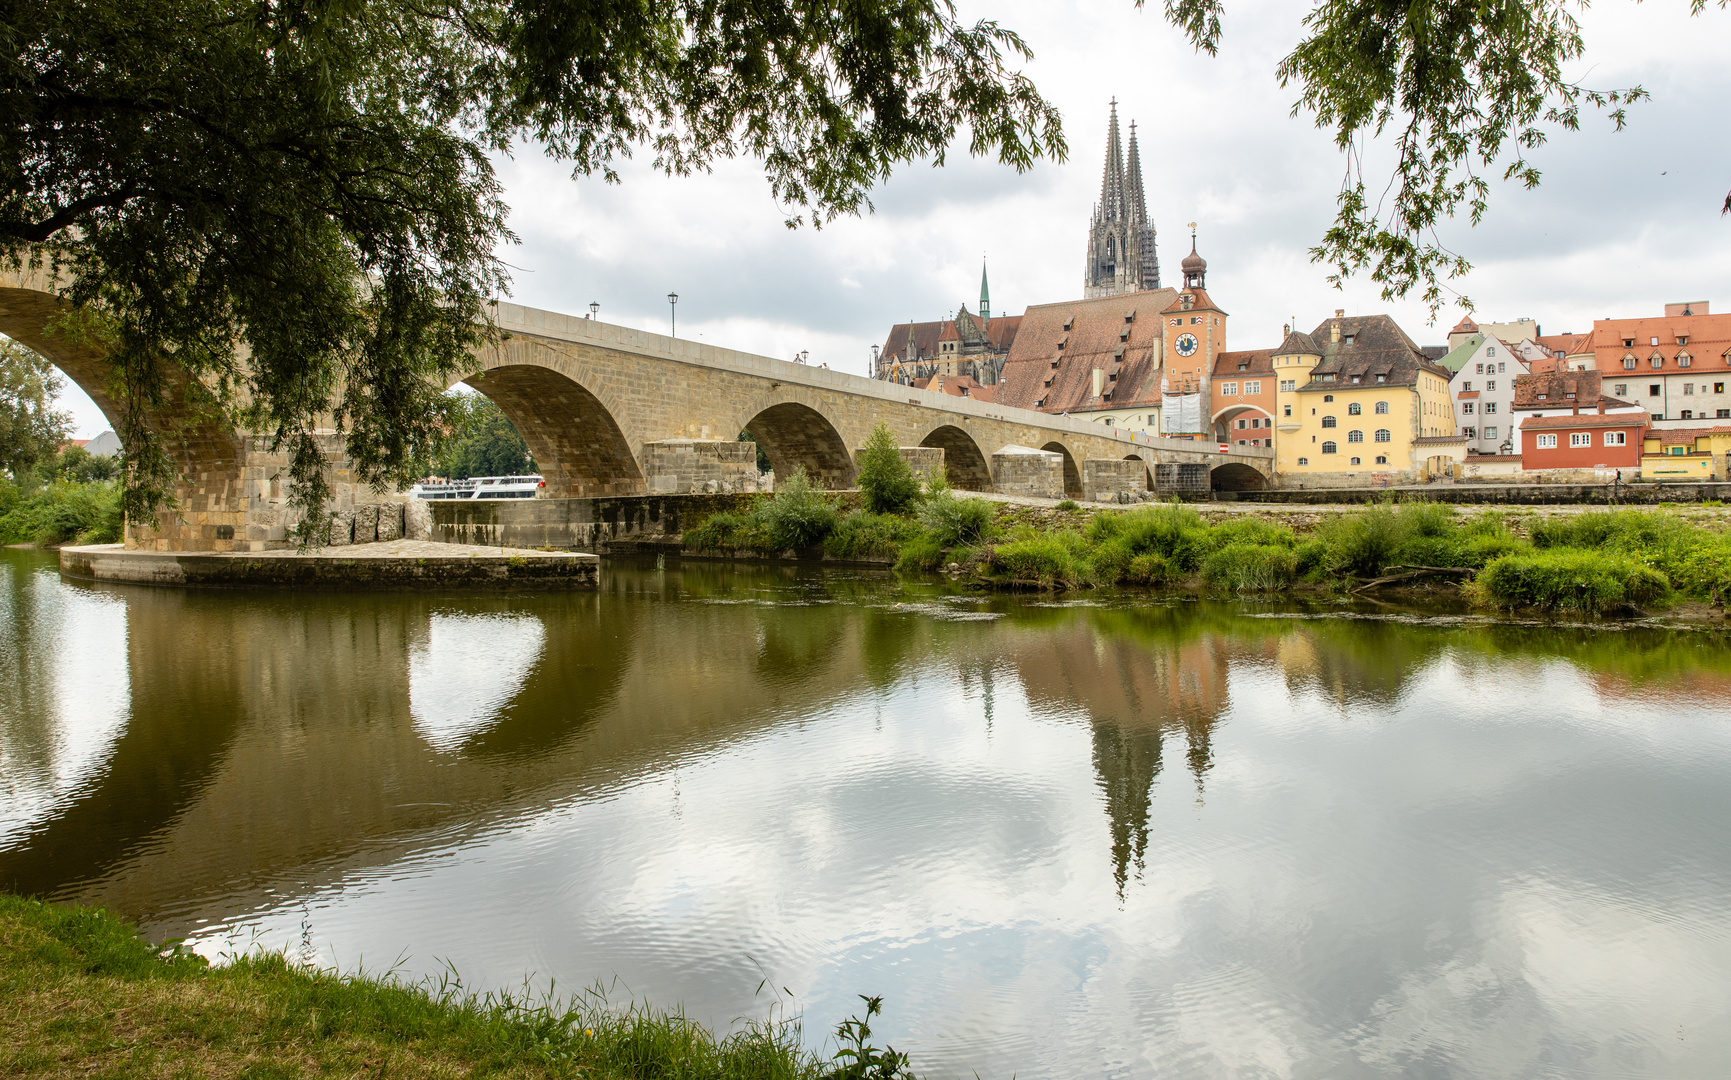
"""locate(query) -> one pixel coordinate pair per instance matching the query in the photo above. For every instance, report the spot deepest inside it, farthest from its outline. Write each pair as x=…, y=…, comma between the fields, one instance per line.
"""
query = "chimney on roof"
x=1099, y=380
x=1334, y=329
x=1340, y=313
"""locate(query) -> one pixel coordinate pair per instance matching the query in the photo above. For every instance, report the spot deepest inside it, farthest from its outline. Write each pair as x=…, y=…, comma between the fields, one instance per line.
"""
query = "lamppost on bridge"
x=672, y=324
x=872, y=372
x=594, y=310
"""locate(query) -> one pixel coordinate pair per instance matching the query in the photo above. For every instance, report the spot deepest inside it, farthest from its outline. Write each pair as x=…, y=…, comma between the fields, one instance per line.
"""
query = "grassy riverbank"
x=81, y=995
x=1592, y=563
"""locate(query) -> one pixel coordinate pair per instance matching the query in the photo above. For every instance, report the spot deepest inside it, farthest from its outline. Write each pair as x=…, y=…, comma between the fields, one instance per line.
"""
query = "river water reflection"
x=1105, y=837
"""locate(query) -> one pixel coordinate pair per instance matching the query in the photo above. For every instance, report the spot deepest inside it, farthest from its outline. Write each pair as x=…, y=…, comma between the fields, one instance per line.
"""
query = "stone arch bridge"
x=611, y=411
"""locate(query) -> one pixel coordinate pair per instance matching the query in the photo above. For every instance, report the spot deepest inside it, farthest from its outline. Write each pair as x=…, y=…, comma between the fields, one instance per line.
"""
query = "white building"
x=1483, y=392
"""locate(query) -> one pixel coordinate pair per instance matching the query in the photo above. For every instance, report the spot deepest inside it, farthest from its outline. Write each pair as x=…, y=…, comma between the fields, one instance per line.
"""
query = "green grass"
x=84, y=996
x=1561, y=579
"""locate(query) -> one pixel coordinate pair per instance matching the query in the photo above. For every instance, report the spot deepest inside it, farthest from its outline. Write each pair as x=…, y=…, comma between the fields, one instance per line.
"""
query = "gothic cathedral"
x=1121, y=256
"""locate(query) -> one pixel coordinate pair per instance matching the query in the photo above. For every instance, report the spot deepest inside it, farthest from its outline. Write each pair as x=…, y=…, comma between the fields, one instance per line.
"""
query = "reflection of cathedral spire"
x=1127, y=762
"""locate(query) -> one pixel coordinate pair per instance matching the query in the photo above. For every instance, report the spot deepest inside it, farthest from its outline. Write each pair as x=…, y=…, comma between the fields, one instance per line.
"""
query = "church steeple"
x=985, y=294
x=1121, y=255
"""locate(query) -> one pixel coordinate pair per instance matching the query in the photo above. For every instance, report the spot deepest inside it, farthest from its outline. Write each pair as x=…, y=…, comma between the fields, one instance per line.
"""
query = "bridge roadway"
x=612, y=411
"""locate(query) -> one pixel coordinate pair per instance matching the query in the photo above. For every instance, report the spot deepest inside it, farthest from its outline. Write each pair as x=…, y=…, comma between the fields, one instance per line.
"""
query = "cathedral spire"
x=985, y=294
x=1112, y=179
x=1121, y=257
x=1138, y=214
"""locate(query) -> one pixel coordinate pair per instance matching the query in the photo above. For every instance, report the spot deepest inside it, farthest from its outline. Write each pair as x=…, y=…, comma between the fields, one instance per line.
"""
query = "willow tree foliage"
x=1461, y=89
x=283, y=213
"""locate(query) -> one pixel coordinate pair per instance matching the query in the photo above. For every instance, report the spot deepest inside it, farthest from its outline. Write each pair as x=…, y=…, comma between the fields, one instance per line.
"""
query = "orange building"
x=1677, y=366
x=1242, y=398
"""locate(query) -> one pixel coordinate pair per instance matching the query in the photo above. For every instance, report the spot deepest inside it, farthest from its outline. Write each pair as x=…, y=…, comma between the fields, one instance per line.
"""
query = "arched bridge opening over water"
x=609, y=411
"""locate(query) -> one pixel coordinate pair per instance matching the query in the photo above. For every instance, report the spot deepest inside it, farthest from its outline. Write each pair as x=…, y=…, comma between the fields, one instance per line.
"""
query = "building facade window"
x=1381, y=408
x=1547, y=442
x=1382, y=459
x=1490, y=407
x=1355, y=436
x=1287, y=386
x=1469, y=432
x=1354, y=409
x=1616, y=438
x=1467, y=408
x=1490, y=433
x=1328, y=421
x=1328, y=397
x=1580, y=438
x=1229, y=389
x=1304, y=461
x=1384, y=435
x=1254, y=386
x=1328, y=448
x=1653, y=389
x=1356, y=461
x=1620, y=389
x=1628, y=363
x=1688, y=388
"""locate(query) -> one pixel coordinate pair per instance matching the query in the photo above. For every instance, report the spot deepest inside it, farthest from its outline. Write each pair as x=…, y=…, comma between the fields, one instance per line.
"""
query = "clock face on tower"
x=1186, y=344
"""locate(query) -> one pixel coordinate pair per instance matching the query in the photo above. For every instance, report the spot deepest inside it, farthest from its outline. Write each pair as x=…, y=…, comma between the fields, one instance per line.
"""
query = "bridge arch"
x=205, y=453
x=576, y=442
x=793, y=434
x=1235, y=476
x=1072, y=475
x=964, y=462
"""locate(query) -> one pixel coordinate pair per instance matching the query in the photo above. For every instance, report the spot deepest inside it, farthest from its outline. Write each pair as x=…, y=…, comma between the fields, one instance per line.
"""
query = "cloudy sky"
x=1622, y=223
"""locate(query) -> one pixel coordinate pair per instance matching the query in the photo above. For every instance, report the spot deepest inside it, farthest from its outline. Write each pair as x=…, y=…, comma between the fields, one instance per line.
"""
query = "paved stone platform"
x=390, y=564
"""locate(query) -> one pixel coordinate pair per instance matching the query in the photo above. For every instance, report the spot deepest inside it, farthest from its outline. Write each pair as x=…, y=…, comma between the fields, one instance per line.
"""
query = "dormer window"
x=1684, y=359
x=1071, y=320
x=1657, y=361
x=1682, y=339
x=1130, y=318
x=1382, y=378
x=1541, y=397
x=1348, y=338
x=1628, y=343
x=1124, y=336
x=1244, y=366
x=1357, y=379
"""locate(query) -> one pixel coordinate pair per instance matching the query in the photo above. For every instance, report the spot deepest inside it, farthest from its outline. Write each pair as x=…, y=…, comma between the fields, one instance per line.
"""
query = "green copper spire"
x=985, y=293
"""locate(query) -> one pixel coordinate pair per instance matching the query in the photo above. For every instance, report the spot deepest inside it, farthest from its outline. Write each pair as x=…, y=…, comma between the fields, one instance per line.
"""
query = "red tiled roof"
x=1081, y=335
x=1673, y=436
x=1709, y=338
x=1547, y=390
x=1200, y=301
x=1586, y=419
x=1260, y=361
x=1465, y=326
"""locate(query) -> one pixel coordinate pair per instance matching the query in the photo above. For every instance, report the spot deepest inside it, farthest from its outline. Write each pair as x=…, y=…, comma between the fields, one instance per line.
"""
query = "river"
x=1095, y=836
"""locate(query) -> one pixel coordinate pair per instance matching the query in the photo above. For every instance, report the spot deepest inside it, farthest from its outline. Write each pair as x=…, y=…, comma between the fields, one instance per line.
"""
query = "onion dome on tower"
x=1194, y=266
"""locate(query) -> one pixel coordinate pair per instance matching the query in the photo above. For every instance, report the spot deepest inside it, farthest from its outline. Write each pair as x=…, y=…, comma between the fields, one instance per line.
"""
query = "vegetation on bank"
x=1588, y=563
x=84, y=996
x=63, y=512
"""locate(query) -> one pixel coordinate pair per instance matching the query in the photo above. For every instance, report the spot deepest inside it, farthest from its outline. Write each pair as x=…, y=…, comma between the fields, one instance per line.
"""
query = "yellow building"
x=1359, y=403
x=1697, y=453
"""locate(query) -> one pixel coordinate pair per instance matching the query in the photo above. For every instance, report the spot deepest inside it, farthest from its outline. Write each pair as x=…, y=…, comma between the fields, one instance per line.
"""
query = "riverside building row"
x=1354, y=401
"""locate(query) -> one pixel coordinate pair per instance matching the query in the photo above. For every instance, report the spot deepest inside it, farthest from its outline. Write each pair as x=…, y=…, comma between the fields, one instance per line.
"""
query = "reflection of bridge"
x=596, y=403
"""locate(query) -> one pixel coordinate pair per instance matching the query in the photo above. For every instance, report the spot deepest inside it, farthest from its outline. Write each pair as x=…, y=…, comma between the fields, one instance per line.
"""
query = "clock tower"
x=1193, y=335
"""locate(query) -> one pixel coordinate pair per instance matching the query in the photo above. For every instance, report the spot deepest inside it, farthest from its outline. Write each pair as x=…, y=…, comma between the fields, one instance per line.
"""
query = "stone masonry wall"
x=1104, y=479
x=682, y=466
x=1037, y=474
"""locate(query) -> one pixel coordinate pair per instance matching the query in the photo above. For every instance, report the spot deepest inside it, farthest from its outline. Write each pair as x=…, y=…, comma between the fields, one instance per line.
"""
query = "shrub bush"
x=798, y=517
x=865, y=535
x=952, y=521
x=1050, y=560
x=921, y=552
x=62, y=513
x=1149, y=569
x=886, y=481
x=1068, y=504
x=1250, y=567
x=1587, y=582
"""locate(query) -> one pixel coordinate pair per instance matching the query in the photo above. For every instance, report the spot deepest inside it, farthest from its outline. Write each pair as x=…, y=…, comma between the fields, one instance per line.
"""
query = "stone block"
x=1023, y=470
x=417, y=519
x=1105, y=479
x=366, y=523
x=342, y=528
x=390, y=521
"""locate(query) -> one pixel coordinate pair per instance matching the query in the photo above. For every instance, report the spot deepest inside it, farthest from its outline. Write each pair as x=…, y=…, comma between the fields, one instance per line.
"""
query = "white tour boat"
x=482, y=487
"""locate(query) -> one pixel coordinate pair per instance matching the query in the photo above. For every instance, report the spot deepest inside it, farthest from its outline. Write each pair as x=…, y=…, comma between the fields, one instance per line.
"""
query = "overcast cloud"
x=1623, y=222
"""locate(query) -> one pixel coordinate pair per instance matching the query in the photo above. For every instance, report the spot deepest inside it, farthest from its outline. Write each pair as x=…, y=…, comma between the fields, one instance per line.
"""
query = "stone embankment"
x=400, y=564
